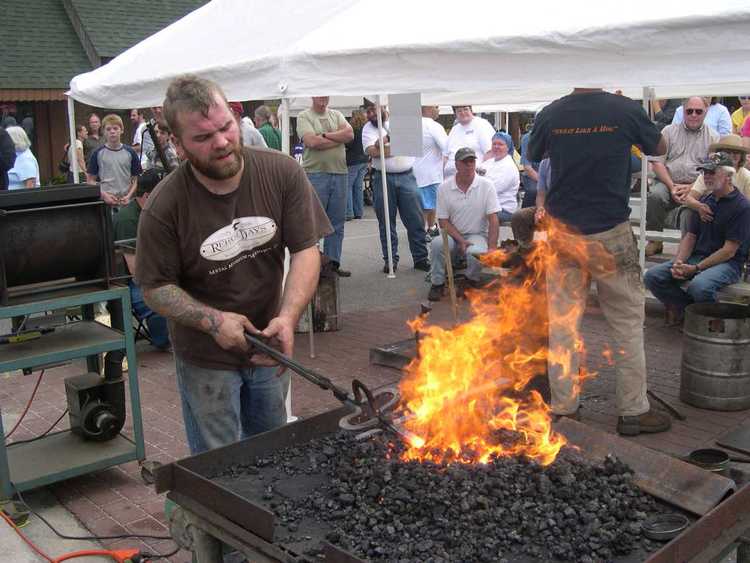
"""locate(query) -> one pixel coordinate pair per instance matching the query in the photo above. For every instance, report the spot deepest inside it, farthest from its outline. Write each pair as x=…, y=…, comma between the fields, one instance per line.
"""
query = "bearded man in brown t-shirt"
x=210, y=259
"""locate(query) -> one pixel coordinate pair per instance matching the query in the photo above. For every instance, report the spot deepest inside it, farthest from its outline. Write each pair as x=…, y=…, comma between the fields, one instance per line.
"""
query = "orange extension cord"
x=118, y=555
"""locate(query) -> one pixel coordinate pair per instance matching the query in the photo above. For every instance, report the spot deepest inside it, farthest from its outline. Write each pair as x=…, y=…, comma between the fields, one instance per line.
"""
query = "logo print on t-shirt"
x=243, y=234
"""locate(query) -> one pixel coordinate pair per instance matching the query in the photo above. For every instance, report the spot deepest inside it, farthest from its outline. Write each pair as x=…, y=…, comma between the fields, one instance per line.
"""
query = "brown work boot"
x=654, y=247
x=649, y=422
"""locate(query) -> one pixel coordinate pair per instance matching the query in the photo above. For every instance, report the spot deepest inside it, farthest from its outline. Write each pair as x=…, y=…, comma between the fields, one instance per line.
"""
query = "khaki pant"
x=621, y=297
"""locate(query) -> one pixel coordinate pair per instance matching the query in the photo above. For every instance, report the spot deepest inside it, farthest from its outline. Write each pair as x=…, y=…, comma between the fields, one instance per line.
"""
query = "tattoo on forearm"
x=174, y=303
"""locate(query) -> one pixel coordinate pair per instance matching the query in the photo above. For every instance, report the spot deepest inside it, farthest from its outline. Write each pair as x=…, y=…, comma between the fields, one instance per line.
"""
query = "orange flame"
x=467, y=390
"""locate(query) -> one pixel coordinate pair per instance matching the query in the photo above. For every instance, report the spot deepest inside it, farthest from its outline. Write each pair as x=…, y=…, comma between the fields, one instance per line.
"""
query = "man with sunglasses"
x=717, y=116
x=711, y=254
x=687, y=146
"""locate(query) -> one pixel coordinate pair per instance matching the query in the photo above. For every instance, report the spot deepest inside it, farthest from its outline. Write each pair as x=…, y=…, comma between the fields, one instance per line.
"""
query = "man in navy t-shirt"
x=587, y=136
x=711, y=254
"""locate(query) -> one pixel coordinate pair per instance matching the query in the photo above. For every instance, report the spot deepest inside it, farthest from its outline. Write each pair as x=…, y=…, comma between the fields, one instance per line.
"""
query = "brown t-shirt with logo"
x=227, y=251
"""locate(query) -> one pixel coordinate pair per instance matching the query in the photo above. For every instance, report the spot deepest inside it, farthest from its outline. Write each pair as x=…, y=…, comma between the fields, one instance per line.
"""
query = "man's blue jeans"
x=354, y=195
x=504, y=216
x=331, y=190
x=220, y=407
x=473, y=265
x=404, y=197
x=157, y=325
x=701, y=289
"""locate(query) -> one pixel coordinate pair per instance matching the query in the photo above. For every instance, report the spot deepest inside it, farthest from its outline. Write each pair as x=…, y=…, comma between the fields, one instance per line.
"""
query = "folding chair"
x=140, y=325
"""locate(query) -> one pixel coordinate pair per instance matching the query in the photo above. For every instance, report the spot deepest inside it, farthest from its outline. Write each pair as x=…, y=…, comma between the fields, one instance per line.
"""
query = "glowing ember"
x=467, y=388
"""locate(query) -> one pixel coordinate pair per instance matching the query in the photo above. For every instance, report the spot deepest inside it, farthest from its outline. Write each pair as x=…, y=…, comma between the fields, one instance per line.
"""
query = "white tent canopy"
x=346, y=104
x=347, y=47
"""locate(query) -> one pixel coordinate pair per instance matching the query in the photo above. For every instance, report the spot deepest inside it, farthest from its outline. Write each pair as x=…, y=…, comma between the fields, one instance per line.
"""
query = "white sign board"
x=405, y=123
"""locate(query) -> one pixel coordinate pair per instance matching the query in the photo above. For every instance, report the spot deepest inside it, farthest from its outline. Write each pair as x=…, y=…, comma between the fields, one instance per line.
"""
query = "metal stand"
x=62, y=455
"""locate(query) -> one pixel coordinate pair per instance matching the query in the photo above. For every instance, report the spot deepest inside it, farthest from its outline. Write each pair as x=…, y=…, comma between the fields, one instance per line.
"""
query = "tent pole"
x=72, y=136
x=386, y=212
x=285, y=126
x=648, y=94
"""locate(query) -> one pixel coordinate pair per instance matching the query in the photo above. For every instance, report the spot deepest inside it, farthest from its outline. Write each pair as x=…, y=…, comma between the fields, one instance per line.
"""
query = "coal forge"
x=360, y=497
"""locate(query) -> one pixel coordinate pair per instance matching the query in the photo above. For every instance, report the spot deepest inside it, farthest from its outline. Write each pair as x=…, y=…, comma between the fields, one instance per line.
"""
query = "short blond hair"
x=112, y=119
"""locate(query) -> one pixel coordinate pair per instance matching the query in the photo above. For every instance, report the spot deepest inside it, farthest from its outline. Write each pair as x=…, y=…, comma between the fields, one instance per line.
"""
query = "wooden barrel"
x=716, y=356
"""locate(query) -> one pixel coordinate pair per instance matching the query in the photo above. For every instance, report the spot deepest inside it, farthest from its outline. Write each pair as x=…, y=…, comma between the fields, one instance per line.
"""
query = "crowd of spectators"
x=340, y=155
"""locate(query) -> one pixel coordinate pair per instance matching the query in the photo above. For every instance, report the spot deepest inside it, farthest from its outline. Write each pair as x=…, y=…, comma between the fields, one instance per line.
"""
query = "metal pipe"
x=285, y=125
x=647, y=96
x=384, y=181
x=72, y=137
x=50, y=207
x=311, y=331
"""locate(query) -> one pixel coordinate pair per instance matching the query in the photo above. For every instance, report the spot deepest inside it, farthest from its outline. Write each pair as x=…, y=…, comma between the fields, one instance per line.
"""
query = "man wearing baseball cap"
x=467, y=208
x=711, y=253
x=737, y=151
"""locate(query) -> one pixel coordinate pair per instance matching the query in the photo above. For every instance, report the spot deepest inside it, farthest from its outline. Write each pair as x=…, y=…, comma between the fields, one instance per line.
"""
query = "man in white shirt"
x=139, y=126
x=467, y=209
x=402, y=193
x=428, y=170
x=469, y=131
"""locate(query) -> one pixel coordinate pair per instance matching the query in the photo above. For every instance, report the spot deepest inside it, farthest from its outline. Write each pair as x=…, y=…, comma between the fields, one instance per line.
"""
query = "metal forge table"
x=213, y=512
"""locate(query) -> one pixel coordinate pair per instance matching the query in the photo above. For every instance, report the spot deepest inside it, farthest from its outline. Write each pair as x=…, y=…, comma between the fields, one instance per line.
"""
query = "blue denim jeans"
x=331, y=190
x=504, y=216
x=473, y=266
x=354, y=195
x=157, y=325
x=404, y=198
x=220, y=407
x=701, y=289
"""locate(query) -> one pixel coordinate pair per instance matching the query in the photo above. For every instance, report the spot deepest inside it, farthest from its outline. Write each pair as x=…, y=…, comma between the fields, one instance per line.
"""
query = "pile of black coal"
x=380, y=508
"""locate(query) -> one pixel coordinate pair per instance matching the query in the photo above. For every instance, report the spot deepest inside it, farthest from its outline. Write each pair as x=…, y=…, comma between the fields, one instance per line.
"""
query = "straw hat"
x=729, y=143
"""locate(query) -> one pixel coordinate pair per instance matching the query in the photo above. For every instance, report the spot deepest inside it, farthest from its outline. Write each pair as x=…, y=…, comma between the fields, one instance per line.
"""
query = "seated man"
x=687, y=145
x=126, y=227
x=467, y=209
x=711, y=254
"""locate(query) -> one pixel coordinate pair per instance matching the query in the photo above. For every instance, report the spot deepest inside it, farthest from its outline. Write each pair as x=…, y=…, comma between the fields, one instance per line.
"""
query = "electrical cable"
x=119, y=555
x=31, y=544
x=155, y=556
x=85, y=538
x=42, y=435
x=26, y=409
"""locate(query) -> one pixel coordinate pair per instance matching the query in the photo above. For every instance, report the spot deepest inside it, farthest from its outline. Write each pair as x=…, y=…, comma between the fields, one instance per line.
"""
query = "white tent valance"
x=499, y=54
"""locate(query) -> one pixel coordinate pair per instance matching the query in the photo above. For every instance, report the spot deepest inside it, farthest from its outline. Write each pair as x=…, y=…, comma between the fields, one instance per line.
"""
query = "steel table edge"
x=176, y=478
x=716, y=530
x=232, y=534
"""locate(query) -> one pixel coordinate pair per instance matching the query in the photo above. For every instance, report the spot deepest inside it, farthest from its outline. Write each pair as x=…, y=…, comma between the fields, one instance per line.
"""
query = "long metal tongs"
x=361, y=399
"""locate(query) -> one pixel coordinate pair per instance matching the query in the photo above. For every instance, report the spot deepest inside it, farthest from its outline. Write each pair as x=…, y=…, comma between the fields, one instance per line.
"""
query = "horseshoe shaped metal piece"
x=373, y=406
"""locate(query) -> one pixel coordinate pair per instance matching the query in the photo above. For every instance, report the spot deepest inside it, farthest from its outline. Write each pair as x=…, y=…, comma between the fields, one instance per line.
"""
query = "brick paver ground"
x=116, y=501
